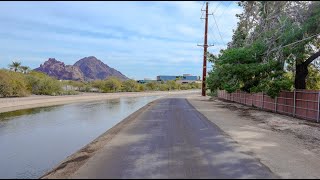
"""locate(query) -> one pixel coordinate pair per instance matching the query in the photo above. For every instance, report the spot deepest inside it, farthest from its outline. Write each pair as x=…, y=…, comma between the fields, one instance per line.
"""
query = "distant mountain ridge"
x=86, y=69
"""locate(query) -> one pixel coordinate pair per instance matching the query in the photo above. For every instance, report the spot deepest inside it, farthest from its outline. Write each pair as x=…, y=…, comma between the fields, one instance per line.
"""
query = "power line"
x=202, y=10
x=216, y=20
x=213, y=37
x=218, y=28
x=216, y=7
x=203, y=4
x=225, y=9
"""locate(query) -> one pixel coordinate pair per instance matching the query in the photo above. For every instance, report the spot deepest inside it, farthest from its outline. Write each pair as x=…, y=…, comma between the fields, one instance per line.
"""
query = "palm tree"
x=25, y=69
x=15, y=65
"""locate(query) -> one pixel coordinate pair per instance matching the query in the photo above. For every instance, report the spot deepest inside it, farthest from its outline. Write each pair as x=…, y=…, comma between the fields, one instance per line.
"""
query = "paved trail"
x=171, y=139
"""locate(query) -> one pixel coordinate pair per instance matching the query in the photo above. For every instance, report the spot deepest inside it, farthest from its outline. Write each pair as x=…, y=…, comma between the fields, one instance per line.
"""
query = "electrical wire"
x=218, y=28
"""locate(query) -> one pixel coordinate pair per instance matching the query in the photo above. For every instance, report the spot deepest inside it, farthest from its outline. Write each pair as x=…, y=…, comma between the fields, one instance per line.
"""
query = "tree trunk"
x=301, y=74
x=302, y=71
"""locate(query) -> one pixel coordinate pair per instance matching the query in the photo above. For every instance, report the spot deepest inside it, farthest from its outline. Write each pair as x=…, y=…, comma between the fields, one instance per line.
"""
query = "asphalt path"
x=171, y=139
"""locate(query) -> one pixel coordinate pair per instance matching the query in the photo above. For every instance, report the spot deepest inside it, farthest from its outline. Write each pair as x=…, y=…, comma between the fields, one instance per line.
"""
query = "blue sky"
x=140, y=39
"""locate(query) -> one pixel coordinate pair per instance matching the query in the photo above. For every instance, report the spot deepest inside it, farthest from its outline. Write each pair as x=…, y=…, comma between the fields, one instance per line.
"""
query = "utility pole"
x=205, y=47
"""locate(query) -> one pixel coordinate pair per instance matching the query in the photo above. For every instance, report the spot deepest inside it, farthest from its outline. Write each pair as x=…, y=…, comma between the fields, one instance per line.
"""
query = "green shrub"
x=185, y=87
x=12, y=84
x=164, y=87
x=152, y=86
x=42, y=84
x=97, y=84
x=194, y=85
x=141, y=87
x=87, y=88
x=130, y=86
x=112, y=84
x=172, y=85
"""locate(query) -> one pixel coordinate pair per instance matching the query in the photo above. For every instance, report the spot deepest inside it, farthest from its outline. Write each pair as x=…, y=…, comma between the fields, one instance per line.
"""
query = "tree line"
x=113, y=84
x=20, y=81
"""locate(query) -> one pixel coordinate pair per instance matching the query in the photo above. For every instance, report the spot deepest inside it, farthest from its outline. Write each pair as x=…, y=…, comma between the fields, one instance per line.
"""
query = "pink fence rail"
x=304, y=104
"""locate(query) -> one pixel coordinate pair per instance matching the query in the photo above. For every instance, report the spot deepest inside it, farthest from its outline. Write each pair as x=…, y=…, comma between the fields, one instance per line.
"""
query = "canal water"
x=33, y=141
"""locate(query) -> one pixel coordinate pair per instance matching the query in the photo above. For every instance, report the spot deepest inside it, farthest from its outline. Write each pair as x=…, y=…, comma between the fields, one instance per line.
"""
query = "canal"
x=33, y=141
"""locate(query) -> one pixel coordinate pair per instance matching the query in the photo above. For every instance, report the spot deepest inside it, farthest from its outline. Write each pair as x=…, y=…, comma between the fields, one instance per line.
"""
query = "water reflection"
x=35, y=140
x=9, y=115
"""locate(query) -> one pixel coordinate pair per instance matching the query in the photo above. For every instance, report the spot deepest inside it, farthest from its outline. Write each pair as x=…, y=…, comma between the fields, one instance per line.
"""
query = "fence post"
x=252, y=100
x=294, y=103
x=318, y=106
x=262, y=100
x=245, y=99
x=275, y=103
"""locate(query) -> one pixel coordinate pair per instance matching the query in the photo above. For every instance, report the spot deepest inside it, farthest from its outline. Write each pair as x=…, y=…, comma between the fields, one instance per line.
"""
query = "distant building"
x=167, y=78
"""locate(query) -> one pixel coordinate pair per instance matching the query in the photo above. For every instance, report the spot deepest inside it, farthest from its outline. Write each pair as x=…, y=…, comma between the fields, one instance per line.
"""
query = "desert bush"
x=12, y=84
x=163, y=87
x=42, y=84
x=152, y=86
x=112, y=84
x=141, y=87
x=130, y=86
x=172, y=85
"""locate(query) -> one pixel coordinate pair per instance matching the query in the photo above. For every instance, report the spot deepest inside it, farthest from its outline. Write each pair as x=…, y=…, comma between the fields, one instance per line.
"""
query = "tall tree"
x=290, y=30
x=15, y=66
x=271, y=38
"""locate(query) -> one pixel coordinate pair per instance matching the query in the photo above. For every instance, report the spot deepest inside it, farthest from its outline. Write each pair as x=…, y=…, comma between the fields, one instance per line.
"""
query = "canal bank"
x=35, y=101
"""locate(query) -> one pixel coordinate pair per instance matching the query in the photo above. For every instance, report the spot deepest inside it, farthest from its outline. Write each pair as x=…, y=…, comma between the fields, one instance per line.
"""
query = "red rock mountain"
x=87, y=69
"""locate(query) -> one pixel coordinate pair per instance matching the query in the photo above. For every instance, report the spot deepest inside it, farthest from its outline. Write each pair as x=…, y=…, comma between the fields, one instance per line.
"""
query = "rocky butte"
x=86, y=69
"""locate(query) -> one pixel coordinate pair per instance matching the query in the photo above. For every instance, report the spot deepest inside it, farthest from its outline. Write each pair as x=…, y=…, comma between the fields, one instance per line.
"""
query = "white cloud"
x=123, y=34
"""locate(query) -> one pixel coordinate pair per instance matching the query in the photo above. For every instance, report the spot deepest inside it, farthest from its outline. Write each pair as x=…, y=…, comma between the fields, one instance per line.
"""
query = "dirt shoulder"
x=13, y=104
x=287, y=145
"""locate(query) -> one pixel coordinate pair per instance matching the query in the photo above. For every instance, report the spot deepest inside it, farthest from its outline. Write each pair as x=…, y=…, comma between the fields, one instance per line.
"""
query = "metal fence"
x=299, y=103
